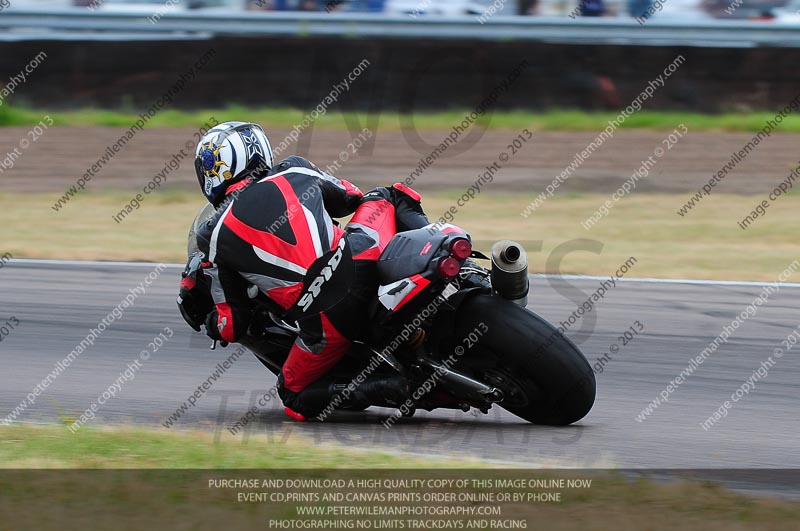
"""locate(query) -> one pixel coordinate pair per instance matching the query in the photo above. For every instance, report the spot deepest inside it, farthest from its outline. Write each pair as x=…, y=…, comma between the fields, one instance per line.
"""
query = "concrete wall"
x=403, y=75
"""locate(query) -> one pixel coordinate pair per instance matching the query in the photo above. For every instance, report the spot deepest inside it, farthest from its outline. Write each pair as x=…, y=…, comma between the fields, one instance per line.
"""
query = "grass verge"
x=552, y=120
x=55, y=446
x=706, y=244
x=185, y=499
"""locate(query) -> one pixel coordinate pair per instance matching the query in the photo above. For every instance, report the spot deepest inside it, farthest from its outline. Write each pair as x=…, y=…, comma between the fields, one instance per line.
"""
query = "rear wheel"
x=544, y=377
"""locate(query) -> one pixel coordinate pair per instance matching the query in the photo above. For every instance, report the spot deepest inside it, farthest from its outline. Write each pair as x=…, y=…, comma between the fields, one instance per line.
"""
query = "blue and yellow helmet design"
x=228, y=153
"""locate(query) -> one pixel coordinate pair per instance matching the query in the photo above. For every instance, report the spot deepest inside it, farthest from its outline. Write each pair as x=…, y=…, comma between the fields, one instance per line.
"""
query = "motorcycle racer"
x=273, y=235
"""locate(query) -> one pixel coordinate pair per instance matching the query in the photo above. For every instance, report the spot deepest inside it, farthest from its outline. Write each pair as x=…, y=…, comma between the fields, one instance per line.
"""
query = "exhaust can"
x=510, y=271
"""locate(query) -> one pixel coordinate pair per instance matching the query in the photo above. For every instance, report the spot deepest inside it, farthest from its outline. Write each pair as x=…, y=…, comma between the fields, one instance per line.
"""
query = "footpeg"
x=494, y=395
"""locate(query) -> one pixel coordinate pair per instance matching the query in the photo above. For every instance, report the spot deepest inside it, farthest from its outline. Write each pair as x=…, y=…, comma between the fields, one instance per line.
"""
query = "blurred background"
x=587, y=54
x=679, y=9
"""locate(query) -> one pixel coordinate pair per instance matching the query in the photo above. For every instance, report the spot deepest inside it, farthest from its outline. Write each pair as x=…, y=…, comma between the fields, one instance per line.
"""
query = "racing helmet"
x=228, y=153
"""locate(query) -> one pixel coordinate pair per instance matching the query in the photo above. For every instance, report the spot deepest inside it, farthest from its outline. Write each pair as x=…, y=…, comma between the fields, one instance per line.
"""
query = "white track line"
x=35, y=261
x=534, y=275
x=672, y=281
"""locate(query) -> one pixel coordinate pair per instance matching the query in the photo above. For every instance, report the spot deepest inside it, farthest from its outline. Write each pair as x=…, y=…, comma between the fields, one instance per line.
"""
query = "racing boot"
x=321, y=398
x=384, y=391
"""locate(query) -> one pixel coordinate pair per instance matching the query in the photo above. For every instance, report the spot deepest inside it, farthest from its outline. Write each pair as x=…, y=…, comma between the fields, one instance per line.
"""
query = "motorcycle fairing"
x=409, y=253
x=395, y=295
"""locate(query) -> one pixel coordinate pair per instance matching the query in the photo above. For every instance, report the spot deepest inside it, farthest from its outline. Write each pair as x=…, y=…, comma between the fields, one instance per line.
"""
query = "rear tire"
x=544, y=376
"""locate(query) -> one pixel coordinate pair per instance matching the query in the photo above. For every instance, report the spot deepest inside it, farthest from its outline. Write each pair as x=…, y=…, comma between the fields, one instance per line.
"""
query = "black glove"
x=211, y=327
x=194, y=298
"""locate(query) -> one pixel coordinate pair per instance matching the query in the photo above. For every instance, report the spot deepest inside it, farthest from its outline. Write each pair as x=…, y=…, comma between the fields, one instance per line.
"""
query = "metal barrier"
x=70, y=24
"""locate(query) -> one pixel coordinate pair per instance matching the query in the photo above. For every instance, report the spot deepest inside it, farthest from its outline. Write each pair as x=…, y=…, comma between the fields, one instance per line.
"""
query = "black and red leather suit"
x=276, y=232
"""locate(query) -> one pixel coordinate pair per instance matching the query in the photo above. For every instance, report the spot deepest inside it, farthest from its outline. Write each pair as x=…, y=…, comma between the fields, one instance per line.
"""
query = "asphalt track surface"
x=57, y=304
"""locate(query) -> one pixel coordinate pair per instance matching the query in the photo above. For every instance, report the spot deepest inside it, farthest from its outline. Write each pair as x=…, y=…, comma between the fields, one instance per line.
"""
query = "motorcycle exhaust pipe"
x=510, y=271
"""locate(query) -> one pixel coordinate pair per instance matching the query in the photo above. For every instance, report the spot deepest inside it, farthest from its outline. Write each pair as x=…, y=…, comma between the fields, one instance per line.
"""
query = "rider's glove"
x=213, y=327
x=194, y=299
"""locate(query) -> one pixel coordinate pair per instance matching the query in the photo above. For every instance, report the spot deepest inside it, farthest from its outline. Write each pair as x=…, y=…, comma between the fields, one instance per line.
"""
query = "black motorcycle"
x=461, y=333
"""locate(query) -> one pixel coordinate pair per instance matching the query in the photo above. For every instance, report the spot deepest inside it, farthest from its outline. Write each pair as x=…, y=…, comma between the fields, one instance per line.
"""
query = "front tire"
x=544, y=376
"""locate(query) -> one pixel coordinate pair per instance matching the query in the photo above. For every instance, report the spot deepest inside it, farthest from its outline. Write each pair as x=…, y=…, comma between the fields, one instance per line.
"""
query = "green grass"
x=26, y=446
x=553, y=120
x=161, y=492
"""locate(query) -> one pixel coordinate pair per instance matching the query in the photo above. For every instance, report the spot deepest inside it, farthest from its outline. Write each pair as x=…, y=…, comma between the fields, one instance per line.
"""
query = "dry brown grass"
x=705, y=244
